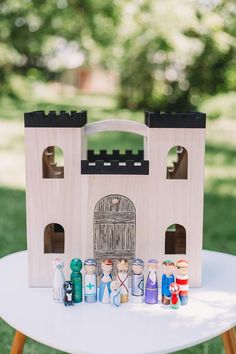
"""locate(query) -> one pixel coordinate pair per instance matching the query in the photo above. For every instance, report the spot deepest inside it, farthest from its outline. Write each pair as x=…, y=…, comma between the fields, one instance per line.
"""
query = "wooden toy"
x=167, y=278
x=151, y=289
x=175, y=300
x=105, y=284
x=68, y=289
x=58, y=280
x=114, y=205
x=182, y=280
x=115, y=297
x=123, y=278
x=90, y=281
x=137, y=281
x=76, y=279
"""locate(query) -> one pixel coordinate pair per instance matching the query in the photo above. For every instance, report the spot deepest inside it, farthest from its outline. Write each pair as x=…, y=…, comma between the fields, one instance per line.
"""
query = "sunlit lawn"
x=220, y=191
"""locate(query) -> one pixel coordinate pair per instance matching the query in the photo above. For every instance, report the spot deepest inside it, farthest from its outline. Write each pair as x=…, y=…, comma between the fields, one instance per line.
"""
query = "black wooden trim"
x=175, y=120
x=115, y=155
x=53, y=120
x=115, y=168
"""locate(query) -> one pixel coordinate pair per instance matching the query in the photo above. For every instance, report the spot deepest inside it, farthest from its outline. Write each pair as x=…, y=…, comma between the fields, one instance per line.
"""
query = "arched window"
x=175, y=239
x=177, y=163
x=53, y=162
x=54, y=238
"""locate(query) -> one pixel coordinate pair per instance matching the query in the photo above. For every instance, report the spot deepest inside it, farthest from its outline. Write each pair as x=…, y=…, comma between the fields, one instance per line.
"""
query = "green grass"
x=220, y=191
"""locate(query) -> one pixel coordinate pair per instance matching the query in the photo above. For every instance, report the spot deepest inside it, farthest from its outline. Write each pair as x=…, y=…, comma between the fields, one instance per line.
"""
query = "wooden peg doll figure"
x=90, y=281
x=58, y=280
x=151, y=289
x=115, y=293
x=68, y=301
x=182, y=280
x=167, y=278
x=175, y=300
x=137, y=281
x=123, y=278
x=105, y=284
x=76, y=279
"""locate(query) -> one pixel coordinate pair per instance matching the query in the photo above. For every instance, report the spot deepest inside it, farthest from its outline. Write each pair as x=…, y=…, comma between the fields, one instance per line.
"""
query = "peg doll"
x=105, y=284
x=115, y=293
x=58, y=280
x=137, y=281
x=90, y=281
x=68, y=301
x=175, y=300
x=123, y=278
x=167, y=278
x=151, y=289
x=182, y=280
x=76, y=279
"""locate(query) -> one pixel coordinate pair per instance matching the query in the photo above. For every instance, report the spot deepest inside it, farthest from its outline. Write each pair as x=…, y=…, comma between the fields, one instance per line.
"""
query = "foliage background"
x=168, y=55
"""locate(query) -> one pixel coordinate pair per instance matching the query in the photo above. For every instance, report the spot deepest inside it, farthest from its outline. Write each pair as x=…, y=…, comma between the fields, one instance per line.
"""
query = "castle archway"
x=114, y=229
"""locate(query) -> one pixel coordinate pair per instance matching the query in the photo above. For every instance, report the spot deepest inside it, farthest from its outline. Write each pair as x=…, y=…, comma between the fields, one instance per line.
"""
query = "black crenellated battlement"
x=115, y=155
x=53, y=120
x=175, y=120
x=79, y=119
x=115, y=167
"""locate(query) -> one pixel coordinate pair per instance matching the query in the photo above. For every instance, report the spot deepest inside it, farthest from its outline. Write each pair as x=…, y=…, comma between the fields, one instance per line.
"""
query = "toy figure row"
x=174, y=289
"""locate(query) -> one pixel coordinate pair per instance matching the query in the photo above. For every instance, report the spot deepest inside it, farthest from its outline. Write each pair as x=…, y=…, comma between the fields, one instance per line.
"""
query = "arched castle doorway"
x=114, y=229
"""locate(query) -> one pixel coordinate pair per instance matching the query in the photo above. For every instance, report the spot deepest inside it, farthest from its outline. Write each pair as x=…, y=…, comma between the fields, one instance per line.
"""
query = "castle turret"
x=53, y=179
x=176, y=192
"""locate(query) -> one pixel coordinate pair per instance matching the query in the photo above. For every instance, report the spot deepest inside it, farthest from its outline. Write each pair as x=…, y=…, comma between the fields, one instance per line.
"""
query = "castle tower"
x=53, y=190
x=176, y=193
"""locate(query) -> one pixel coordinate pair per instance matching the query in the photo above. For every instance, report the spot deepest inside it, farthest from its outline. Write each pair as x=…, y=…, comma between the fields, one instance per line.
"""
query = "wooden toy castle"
x=83, y=204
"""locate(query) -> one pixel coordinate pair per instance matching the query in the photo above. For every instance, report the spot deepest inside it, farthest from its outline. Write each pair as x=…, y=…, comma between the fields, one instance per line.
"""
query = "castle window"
x=175, y=239
x=177, y=163
x=54, y=238
x=53, y=162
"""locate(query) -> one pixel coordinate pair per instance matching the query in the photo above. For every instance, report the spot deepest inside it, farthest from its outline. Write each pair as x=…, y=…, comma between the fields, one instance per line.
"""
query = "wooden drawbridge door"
x=114, y=229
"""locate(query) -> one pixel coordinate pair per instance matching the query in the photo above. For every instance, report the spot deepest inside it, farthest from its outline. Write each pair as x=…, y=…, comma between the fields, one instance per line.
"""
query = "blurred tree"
x=172, y=52
x=167, y=54
x=31, y=31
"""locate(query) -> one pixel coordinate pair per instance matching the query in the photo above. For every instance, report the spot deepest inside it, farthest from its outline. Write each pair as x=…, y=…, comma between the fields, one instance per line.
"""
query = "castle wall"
x=159, y=202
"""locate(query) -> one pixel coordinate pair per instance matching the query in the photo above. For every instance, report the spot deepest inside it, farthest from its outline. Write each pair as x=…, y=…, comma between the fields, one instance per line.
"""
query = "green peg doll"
x=76, y=278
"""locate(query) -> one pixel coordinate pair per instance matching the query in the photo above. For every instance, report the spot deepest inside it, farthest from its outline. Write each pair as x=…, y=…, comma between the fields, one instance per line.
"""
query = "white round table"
x=130, y=329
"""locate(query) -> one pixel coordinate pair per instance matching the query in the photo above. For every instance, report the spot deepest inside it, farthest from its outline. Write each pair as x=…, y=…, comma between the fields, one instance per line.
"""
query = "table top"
x=132, y=328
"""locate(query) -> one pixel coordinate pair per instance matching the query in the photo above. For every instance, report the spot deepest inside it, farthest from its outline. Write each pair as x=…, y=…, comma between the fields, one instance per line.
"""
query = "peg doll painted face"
x=168, y=267
x=90, y=266
x=115, y=285
x=106, y=265
x=182, y=267
x=137, y=266
x=152, y=265
x=58, y=264
x=174, y=288
x=123, y=266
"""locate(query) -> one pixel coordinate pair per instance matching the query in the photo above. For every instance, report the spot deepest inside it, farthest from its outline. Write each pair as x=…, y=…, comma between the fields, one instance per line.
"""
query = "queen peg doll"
x=105, y=284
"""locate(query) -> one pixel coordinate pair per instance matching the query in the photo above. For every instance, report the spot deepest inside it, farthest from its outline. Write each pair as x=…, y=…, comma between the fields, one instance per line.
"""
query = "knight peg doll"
x=137, y=281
